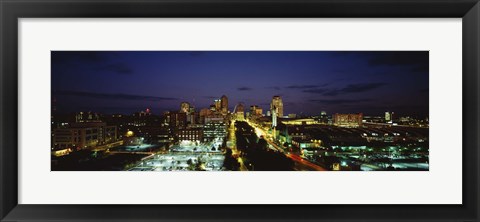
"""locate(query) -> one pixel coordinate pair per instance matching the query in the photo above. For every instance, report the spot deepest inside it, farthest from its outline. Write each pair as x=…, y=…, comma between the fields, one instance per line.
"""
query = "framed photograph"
x=259, y=110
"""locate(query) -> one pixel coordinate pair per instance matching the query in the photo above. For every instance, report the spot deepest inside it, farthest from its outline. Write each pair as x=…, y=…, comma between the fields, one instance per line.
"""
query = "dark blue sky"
x=307, y=81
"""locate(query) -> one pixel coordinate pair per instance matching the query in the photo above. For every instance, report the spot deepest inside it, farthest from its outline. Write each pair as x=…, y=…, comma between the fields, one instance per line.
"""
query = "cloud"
x=301, y=86
x=275, y=87
x=333, y=92
x=115, y=96
x=318, y=91
x=307, y=86
x=119, y=68
x=362, y=87
x=339, y=101
x=351, y=88
x=244, y=88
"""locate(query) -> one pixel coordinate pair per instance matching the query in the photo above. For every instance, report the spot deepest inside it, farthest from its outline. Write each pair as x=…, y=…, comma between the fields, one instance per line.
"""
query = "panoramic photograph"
x=239, y=111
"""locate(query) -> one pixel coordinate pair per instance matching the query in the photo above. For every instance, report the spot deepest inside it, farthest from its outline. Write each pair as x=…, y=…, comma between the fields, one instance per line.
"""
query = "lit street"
x=300, y=163
x=232, y=145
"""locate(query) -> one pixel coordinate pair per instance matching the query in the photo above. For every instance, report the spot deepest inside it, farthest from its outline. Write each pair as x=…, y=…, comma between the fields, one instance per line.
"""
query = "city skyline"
x=308, y=81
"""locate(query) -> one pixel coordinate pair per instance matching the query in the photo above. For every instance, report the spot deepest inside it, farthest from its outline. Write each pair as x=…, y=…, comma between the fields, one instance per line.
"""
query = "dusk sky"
x=308, y=81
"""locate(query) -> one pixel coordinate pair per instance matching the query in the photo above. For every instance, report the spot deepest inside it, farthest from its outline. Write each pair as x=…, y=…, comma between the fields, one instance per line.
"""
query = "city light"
x=240, y=111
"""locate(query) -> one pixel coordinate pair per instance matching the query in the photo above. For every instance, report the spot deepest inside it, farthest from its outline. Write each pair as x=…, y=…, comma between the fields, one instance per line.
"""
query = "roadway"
x=233, y=141
x=300, y=163
x=303, y=164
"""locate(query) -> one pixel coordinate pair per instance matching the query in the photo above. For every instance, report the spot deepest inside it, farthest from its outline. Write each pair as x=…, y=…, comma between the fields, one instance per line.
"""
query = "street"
x=233, y=145
x=300, y=163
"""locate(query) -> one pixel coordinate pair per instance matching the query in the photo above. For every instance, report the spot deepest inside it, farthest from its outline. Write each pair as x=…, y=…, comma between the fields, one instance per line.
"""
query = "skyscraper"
x=274, y=119
x=218, y=105
x=184, y=107
x=277, y=106
x=389, y=117
x=224, y=104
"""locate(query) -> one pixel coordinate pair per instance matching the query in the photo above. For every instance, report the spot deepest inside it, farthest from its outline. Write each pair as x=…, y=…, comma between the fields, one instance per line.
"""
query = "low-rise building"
x=348, y=120
x=83, y=135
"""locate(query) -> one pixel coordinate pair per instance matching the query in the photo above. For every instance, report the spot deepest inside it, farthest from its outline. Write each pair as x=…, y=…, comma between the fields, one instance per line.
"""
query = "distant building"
x=324, y=119
x=277, y=106
x=143, y=113
x=218, y=105
x=176, y=119
x=256, y=110
x=191, y=118
x=214, y=118
x=239, y=112
x=203, y=114
x=82, y=117
x=224, y=104
x=388, y=117
x=348, y=120
x=156, y=134
x=189, y=111
x=303, y=121
x=274, y=118
x=185, y=107
x=213, y=108
x=373, y=119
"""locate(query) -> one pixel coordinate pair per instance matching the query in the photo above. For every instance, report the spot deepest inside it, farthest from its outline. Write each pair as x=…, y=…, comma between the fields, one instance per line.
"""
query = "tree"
x=230, y=162
x=262, y=144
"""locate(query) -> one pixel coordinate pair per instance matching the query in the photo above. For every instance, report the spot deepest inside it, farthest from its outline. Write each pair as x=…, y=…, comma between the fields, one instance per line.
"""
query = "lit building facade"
x=224, y=104
x=348, y=120
x=388, y=117
x=176, y=119
x=277, y=106
x=214, y=130
x=324, y=118
x=191, y=134
x=304, y=121
x=274, y=119
x=218, y=105
x=82, y=117
x=84, y=135
x=256, y=110
x=185, y=107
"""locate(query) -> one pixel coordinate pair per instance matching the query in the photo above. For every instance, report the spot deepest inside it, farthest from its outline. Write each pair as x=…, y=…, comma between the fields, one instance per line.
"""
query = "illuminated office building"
x=184, y=107
x=277, y=105
x=256, y=110
x=347, y=120
x=224, y=104
x=389, y=117
x=214, y=129
x=218, y=105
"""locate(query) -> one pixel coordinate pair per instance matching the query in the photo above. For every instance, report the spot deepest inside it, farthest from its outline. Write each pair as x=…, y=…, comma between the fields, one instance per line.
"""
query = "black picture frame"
x=12, y=10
